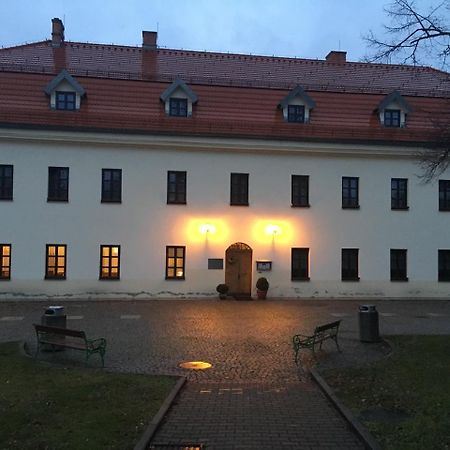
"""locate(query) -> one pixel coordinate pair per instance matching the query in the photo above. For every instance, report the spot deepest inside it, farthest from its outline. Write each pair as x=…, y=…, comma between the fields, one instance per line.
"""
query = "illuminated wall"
x=143, y=224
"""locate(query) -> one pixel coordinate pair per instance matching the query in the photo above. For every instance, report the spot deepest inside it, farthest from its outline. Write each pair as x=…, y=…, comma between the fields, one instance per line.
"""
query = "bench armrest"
x=100, y=342
x=301, y=339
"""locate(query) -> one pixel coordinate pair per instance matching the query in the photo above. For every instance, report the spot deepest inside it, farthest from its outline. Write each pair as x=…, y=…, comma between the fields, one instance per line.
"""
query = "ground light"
x=195, y=365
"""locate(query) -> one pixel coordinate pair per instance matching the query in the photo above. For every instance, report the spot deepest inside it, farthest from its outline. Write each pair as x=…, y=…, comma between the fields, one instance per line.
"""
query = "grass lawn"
x=44, y=407
x=403, y=400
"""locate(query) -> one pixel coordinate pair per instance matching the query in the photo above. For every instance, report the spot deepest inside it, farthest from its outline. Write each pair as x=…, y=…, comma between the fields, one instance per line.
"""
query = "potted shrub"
x=222, y=289
x=262, y=286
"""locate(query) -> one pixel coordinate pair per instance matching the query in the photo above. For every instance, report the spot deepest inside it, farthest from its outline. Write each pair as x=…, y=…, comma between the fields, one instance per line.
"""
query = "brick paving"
x=253, y=397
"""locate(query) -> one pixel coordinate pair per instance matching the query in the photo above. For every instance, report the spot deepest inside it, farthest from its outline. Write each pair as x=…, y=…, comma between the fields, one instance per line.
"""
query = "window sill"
x=405, y=208
x=109, y=279
x=445, y=280
x=301, y=206
x=177, y=203
x=350, y=207
x=350, y=279
x=175, y=279
x=54, y=278
x=111, y=201
x=395, y=280
x=5, y=279
x=444, y=209
x=239, y=204
x=57, y=200
x=6, y=199
x=300, y=279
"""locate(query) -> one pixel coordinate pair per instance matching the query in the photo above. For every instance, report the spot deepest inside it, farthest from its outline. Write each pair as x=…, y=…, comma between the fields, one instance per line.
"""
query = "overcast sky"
x=302, y=28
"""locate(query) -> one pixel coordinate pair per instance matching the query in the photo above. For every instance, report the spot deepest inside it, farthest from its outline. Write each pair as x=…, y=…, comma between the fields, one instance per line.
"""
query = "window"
x=112, y=185
x=65, y=100
x=58, y=184
x=6, y=182
x=300, y=190
x=391, y=117
x=444, y=265
x=109, y=262
x=350, y=194
x=5, y=261
x=175, y=259
x=55, y=261
x=239, y=189
x=399, y=193
x=444, y=195
x=398, y=265
x=176, y=187
x=178, y=107
x=296, y=113
x=349, y=267
x=300, y=264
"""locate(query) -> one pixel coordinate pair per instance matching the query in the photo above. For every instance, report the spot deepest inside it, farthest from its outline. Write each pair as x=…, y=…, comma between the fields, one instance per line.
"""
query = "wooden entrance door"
x=238, y=269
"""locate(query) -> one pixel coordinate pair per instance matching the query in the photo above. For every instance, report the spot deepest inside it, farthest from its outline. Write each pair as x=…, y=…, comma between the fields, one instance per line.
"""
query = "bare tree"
x=413, y=36
x=417, y=36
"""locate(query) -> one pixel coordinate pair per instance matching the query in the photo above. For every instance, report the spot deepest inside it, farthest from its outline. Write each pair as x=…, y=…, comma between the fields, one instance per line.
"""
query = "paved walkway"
x=253, y=397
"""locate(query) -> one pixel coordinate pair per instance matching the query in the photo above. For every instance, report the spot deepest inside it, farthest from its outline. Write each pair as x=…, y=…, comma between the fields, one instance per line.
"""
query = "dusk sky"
x=301, y=28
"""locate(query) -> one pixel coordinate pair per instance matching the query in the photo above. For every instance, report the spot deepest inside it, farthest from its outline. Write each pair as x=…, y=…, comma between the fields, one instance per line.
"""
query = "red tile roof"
x=238, y=94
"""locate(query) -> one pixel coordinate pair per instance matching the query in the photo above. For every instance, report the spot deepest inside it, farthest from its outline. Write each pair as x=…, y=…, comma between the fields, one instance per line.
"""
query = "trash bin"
x=54, y=317
x=368, y=324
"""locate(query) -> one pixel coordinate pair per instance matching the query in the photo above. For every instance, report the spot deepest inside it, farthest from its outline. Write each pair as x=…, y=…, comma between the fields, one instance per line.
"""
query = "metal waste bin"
x=368, y=324
x=54, y=317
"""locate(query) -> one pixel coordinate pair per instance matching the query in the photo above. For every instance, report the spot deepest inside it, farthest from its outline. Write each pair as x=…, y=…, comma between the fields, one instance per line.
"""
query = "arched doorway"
x=238, y=269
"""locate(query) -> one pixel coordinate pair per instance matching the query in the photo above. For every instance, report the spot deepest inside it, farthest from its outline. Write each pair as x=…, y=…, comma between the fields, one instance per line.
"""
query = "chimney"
x=336, y=57
x=149, y=39
x=57, y=33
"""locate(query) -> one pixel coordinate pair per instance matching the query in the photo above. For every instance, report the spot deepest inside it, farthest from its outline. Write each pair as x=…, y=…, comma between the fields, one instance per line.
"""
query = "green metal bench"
x=58, y=338
x=321, y=334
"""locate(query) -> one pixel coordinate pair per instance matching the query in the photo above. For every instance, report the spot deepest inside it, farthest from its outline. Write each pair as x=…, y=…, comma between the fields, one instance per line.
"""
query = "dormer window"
x=296, y=113
x=178, y=107
x=65, y=92
x=297, y=106
x=392, y=117
x=65, y=100
x=178, y=99
x=393, y=111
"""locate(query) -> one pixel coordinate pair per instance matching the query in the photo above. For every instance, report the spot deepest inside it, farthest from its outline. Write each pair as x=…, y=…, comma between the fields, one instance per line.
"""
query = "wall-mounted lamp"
x=273, y=230
x=207, y=228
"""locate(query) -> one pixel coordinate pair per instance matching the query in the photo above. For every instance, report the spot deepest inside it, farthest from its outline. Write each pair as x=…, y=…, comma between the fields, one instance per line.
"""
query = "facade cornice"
x=210, y=144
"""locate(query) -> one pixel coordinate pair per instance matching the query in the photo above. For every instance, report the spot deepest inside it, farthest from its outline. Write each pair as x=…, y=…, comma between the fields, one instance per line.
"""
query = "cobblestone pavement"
x=253, y=396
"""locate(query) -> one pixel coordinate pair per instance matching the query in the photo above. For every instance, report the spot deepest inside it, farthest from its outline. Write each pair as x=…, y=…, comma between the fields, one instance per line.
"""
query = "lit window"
x=350, y=192
x=399, y=193
x=175, y=261
x=392, y=118
x=176, y=187
x=6, y=182
x=239, y=189
x=300, y=190
x=5, y=259
x=296, y=113
x=300, y=264
x=111, y=185
x=398, y=265
x=349, y=266
x=58, y=184
x=65, y=100
x=55, y=261
x=444, y=195
x=109, y=262
x=178, y=107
